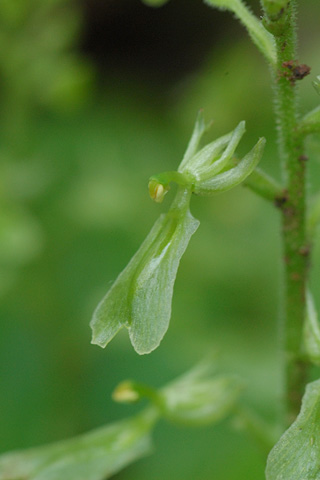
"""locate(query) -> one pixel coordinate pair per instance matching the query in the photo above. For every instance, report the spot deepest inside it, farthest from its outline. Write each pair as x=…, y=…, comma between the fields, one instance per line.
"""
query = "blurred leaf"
x=12, y=12
x=296, y=455
x=96, y=455
x=201, y=398
x=140, y=299
x=69, y=85
x=35, y=58
x=20, y=237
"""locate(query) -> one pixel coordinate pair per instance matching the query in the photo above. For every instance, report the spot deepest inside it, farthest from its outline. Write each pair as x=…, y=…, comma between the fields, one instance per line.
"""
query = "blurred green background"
x=96, y=96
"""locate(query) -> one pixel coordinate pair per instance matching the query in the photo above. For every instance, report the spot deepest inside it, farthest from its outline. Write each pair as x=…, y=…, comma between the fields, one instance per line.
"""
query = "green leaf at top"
x=140, y=299
x=296, y=456
x=155, y=3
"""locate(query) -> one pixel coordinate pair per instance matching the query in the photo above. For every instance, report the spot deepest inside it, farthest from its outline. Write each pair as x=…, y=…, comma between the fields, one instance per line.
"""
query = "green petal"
x=229, y=179
x=216, y=166
x=296, y=455
x=199, y=129
x=96, y=455
x=140, y=299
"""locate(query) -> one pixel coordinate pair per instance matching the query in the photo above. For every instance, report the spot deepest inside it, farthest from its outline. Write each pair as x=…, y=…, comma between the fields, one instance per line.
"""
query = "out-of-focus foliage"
x=38, y=67
x=197, y=398
x=96, y=455
x=37, y=62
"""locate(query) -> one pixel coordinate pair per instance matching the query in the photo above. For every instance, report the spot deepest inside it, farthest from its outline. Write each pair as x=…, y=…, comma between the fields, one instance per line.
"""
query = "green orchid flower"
x=140, y=298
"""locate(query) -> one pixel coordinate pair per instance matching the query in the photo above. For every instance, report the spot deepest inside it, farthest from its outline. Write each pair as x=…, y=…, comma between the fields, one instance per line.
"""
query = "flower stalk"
x=293, y=206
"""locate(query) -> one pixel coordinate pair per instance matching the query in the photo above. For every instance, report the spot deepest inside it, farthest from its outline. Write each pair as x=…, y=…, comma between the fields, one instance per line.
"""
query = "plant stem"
x=264, y=185
x=293, y=216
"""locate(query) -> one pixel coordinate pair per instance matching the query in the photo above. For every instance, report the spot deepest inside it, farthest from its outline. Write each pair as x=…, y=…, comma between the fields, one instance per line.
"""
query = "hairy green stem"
x=293, y=216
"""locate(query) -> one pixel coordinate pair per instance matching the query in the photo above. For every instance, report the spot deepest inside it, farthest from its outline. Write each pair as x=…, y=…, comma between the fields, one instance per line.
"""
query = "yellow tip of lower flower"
x=125, y=393
x=157, y=191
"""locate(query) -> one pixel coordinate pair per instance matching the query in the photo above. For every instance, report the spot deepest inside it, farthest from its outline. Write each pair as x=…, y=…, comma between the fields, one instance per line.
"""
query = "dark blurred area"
x=156, y=45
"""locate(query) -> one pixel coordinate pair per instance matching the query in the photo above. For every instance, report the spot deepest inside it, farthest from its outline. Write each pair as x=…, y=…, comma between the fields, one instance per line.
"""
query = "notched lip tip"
x=146, y=352
x=96, y=342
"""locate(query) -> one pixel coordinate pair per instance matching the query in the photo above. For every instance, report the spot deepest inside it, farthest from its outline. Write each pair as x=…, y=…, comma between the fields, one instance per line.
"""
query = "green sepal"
x=200, y=128
x=229, y=179
x=213, y=168
x=140, y=298
x=96, y=455
x=215, y=156
x=311, y=333
x=296, y=455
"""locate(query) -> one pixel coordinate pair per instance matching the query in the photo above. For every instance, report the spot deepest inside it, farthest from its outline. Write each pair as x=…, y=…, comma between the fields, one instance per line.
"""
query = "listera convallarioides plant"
x=295, y=456
x=140, y=298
